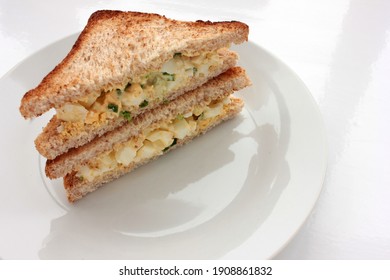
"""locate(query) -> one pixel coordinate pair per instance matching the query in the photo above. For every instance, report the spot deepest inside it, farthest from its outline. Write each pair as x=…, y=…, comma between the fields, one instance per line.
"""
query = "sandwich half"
x=123, y=64
x=149, y=136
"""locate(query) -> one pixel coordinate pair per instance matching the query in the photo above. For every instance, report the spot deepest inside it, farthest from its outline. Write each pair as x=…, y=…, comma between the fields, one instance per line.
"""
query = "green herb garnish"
x=144, y=104
x=118, y=92
x=113, y=107
x=178, y=54
x=180, y=117
x=168, y=76
x=126, y=115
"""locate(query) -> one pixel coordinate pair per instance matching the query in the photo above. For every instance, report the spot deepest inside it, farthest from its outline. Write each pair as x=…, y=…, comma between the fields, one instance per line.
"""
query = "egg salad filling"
x=155, y=140
x=140, y=92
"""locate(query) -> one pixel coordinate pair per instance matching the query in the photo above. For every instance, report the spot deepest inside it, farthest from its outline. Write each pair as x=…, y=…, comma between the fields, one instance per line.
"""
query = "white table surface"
x=339, y=48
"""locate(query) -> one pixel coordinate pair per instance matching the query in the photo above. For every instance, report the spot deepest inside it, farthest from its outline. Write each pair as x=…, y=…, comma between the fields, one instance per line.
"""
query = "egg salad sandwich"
x=149, y=135
x=122, y=64
x=133, y=86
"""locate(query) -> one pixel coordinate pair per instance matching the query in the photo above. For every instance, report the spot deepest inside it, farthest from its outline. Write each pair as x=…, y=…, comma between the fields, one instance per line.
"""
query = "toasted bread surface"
x=115, y=46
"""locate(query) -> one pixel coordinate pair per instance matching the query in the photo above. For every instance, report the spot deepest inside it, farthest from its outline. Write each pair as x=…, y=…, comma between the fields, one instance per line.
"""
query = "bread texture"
x=225, y=84
x=55, y=140
x=115, y=46
x=76, y=188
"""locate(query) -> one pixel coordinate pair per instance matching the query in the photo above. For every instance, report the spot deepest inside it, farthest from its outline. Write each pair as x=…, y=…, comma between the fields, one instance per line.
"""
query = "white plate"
x=240, y=192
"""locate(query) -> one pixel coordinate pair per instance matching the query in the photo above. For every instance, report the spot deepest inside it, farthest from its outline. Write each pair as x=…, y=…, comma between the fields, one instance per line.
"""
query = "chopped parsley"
x=169, y=77
x=118, y=92
x=126, y=115
x=143, y=104
x=113, y=107
x=178, y=54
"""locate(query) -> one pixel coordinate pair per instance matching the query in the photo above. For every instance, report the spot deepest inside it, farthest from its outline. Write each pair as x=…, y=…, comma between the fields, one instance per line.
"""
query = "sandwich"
x=133, y=87
x=149, y=135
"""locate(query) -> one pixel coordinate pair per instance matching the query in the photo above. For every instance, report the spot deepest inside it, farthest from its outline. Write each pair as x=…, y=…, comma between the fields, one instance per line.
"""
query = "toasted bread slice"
x=116, y=46
x=219, y=87
x=59, y=136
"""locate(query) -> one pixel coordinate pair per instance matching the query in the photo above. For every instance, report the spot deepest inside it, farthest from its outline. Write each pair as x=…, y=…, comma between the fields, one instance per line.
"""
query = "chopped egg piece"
x=88, y=100
x=148, y=150
x=192, y=125
x=213, y=110
x=133, y=96
x=170, y=66
x=226, y=100
x=125, y=155
x=166, y=137
x=72, y=112
x=87, y=173
x=107, y=163
x=181, y=128
x=160, y=145
x=187, y=115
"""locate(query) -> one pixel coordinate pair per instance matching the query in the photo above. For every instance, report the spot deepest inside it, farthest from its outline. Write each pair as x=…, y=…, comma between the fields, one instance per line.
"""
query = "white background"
x=339, y=48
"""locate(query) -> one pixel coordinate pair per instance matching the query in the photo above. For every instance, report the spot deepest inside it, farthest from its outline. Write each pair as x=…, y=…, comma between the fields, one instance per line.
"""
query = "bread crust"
x=115, y=46
x=225, y=84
